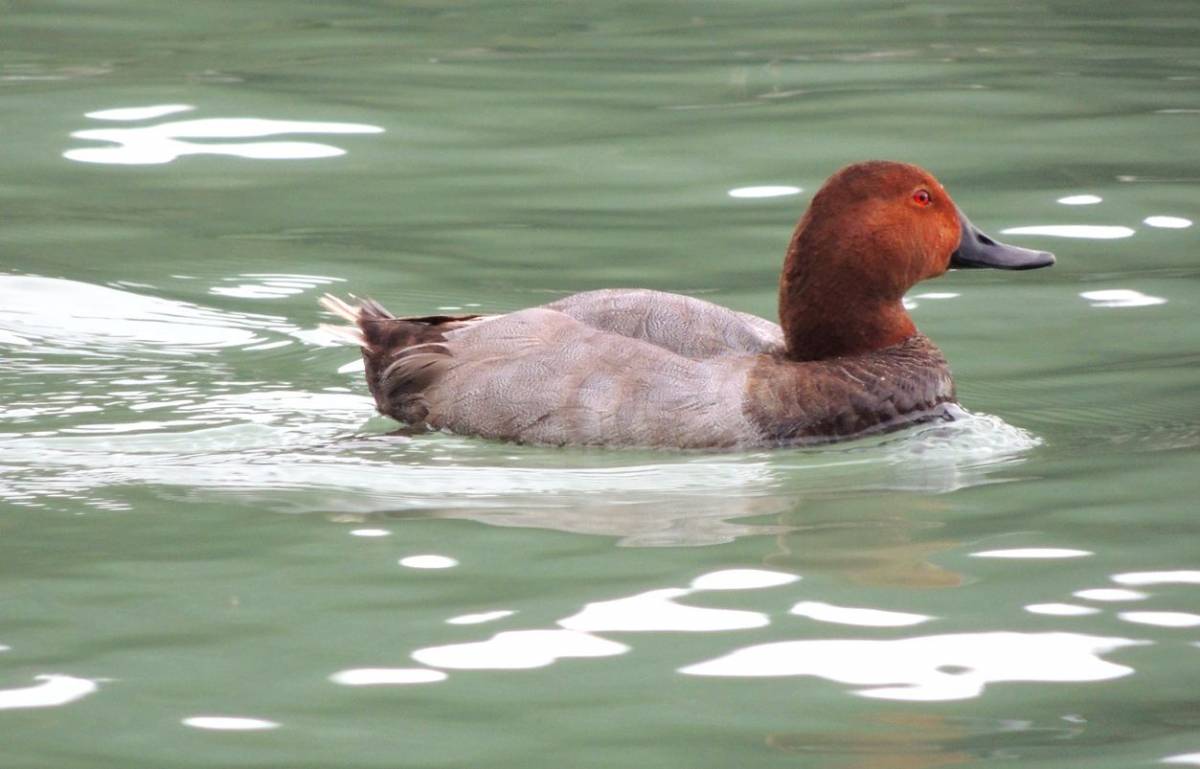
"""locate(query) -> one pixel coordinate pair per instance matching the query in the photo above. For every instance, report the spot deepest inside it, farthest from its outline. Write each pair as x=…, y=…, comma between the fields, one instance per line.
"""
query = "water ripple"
x=65, y=316
x=141, y=390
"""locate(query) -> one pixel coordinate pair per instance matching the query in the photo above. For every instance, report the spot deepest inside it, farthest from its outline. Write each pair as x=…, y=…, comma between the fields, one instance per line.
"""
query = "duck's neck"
x=835, y=329
x=827, y=311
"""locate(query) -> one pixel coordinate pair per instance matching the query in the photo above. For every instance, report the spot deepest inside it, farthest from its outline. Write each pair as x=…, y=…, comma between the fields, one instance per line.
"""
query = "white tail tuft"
x=344, y=333
x=339, y=308
x=352, y=334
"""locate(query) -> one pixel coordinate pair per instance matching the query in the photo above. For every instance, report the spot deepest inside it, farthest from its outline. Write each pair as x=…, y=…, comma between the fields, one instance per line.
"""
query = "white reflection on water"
x=271, y=286
x=1110, y=594
x=764, y=191
x=927, y=668
x=518, y=650
x=1161, y=618
x=922, y=668
x=652, y=610
x=1121, y=297
x=1088, y=231
x=57, y=316
x=52, y=691
x=1183, y=758
x=370, y=532
x=656, y=610
x=1033, y=552
x=428, y=562
x=9, y=338
x=1060, y=609
x=742, y=579
x=852, y=615
x=139, y=113
x=387, y=676
x=480, y=618
x=84, y=319
x=1080, y=200
x=229, y=723
x=165, y=142
x=1141, y=578
x=1168, y=222
x=910, y=303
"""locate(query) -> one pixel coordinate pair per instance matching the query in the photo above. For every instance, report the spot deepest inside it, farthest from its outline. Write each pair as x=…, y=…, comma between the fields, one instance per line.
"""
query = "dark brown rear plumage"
x=401, y=356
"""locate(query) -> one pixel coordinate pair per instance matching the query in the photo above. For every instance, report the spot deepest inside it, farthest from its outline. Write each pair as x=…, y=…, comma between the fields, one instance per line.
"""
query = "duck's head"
x=872, y=232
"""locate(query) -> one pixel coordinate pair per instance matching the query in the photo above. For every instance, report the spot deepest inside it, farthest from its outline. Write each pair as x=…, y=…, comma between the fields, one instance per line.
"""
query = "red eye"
x=922, y=198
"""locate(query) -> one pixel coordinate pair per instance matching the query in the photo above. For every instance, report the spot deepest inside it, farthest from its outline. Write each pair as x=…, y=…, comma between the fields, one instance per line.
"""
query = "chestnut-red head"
x=872, y=231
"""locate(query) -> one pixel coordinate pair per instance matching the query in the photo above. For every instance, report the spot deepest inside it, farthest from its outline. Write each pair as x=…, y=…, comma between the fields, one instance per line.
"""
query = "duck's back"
x=541, y=376
x=684, y=325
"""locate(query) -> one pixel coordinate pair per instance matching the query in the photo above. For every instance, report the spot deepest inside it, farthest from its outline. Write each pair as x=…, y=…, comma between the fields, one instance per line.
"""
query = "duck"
x=635, y=367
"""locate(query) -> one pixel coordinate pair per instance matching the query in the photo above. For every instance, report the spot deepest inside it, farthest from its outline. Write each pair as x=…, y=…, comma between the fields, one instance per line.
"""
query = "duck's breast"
x=818, y=401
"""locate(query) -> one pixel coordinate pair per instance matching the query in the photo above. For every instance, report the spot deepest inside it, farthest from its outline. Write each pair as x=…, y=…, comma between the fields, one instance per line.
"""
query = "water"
x=213, y=554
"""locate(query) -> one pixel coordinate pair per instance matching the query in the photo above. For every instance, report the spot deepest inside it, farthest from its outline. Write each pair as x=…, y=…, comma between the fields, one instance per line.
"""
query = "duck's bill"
x=978, y=250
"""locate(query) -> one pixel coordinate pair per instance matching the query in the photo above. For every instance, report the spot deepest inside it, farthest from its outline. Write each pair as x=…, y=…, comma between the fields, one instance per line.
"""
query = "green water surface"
x=206, y=534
